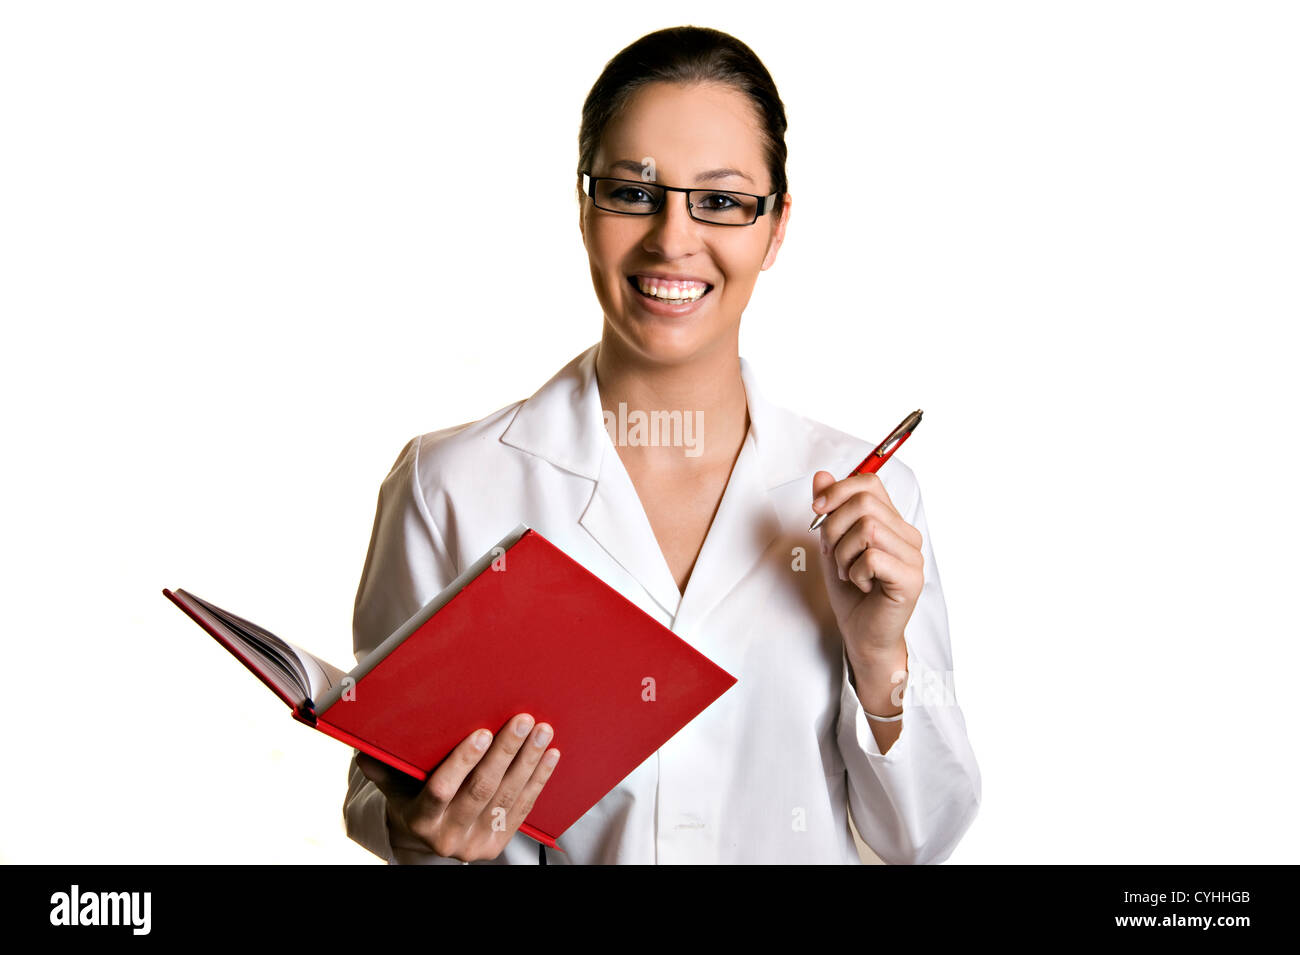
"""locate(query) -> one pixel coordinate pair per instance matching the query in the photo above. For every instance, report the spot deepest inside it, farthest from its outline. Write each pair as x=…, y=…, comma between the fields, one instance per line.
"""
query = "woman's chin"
x=669, y=337
x=668, y=343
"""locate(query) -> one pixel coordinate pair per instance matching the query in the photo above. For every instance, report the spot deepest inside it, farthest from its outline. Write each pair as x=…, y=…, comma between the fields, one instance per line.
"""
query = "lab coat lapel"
x=616, y=518
x=755, y=507
x=563, y=422
x=745, y=523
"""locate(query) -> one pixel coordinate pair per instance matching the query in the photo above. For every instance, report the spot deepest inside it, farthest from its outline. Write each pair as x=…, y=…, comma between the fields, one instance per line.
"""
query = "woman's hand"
x=873, y=567
x=475, y=800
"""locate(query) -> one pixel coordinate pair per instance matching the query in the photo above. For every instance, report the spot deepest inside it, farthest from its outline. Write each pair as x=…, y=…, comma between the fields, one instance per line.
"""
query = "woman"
x=683, y=202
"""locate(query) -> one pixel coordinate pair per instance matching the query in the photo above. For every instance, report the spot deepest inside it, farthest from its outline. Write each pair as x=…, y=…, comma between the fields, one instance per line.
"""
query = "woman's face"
x=686, y=132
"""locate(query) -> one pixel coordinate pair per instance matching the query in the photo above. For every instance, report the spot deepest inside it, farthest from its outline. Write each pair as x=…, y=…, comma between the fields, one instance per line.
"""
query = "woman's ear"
x=582, y=218
x=778, y=232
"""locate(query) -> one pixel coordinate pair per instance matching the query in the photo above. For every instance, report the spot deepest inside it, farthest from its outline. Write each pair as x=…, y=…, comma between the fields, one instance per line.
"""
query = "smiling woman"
x=683, y=194
x=683, y=201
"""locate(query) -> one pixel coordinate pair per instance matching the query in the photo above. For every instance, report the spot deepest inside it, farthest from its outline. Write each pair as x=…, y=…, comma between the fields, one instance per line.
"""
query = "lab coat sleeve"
x=913, y=804
x=407, y=564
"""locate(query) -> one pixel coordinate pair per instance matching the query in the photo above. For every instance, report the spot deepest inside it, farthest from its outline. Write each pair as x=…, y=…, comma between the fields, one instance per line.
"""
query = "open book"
x=523, y=629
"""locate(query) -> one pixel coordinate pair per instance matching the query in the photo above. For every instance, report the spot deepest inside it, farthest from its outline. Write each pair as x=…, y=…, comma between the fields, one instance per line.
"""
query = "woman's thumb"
x=821, y=481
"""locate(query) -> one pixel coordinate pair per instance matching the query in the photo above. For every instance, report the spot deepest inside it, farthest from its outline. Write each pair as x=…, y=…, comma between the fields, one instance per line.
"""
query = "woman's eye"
x=718, y=201
x=631, y=195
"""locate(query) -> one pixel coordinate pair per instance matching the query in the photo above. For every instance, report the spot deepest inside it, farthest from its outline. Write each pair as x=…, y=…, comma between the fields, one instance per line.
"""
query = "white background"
x=249, y=249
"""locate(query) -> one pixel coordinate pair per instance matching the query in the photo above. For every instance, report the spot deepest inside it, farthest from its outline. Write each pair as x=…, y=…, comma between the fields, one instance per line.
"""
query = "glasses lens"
x=633, y=198
x=724, y=208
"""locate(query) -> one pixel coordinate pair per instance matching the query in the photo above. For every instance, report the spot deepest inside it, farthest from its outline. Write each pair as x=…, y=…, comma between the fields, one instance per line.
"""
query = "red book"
x=525, y=629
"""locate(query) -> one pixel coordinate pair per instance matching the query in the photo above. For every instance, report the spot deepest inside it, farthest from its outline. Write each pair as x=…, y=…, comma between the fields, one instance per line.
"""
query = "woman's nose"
x=673, y=233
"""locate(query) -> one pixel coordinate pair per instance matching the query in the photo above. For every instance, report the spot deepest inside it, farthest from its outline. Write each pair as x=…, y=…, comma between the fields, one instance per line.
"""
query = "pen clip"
x=898, y=434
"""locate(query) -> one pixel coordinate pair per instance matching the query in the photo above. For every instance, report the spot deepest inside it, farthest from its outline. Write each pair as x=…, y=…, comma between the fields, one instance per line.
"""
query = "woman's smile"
x=668, y=297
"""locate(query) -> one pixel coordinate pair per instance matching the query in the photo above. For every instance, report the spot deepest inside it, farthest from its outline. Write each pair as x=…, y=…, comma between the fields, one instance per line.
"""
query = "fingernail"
x=481, y=739
x=551, y=758
x=523, y=726
x=543, y=736
x=820, y=501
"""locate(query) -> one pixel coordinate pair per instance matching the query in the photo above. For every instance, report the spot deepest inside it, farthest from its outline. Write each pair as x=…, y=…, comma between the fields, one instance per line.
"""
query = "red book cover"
x=531, y=631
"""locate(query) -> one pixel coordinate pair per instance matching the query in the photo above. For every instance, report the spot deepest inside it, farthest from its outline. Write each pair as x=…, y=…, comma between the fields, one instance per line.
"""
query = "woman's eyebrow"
x=631, y=165
x=627, y=165
x=713, y=174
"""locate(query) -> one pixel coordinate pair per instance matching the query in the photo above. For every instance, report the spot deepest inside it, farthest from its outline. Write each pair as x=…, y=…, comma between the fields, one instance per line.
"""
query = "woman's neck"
x=707, y=395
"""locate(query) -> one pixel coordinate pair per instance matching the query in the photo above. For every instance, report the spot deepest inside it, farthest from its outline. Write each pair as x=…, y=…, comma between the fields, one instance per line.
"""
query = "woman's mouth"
x=668, y=297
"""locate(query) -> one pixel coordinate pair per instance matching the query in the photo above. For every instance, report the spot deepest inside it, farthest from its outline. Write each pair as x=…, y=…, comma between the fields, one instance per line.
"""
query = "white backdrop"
x=246, y=256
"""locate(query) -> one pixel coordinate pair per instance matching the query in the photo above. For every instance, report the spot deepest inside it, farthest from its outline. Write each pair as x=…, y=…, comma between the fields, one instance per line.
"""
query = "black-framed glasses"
x=632, y=197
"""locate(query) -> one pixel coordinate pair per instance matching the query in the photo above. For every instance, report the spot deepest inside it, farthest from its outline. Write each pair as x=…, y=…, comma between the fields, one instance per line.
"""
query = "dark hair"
x=685, y=55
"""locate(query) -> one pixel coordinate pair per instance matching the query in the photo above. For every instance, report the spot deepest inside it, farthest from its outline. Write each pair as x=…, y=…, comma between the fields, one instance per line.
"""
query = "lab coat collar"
x=563, y=422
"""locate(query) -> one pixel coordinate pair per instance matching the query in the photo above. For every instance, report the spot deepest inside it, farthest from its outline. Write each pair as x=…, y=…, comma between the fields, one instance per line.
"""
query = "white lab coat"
x=768, y=771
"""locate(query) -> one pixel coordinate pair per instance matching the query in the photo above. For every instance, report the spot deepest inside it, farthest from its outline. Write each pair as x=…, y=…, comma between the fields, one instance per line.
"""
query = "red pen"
x=882, y=453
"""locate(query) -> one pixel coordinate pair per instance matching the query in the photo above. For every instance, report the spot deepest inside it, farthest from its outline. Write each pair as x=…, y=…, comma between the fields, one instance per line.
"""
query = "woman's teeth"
x=666, y=291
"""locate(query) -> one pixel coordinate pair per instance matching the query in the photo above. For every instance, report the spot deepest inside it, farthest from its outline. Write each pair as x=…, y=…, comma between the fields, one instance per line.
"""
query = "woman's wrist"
x=880, y=679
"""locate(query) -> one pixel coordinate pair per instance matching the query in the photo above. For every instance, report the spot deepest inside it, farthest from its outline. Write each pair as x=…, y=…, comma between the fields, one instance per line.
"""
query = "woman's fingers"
x=864, y=520
x=893, y=573
x=476, y=798
x=500, y=814
x=426, y=811
x=839, y=492
x=870, y=536
x=866, y=536
x=523, y=805
x=479, y=786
